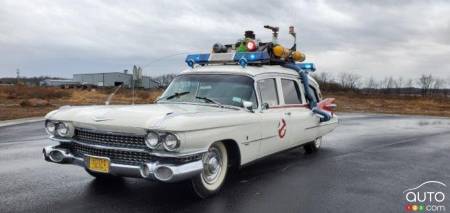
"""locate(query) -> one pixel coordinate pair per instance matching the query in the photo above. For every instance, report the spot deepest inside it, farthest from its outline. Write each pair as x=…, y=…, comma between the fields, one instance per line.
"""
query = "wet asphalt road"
x=363, y=166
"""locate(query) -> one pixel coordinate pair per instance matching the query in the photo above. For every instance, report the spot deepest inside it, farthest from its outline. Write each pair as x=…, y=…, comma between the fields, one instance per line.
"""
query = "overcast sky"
x=373, y=38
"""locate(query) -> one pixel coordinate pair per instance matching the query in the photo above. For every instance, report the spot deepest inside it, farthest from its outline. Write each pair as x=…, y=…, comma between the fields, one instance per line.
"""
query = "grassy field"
x=391, y=104
x=23, y=101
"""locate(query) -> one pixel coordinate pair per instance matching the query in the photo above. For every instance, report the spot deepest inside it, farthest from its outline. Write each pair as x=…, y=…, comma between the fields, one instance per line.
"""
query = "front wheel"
x=313, y=146
x=215, y=167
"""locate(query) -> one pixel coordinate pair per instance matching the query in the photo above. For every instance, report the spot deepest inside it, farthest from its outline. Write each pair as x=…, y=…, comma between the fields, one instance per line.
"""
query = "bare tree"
x=325, y=77
x=390, y=83
x=387, y=84
x=399, y=83
x=438, y=84
x=372, y=83
x=383, y=83
x=425, y=82
x=409, y=83
x=349, y=80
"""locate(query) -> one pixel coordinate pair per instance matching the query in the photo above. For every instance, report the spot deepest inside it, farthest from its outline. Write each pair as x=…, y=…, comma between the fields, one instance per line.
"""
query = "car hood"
x=177, y=117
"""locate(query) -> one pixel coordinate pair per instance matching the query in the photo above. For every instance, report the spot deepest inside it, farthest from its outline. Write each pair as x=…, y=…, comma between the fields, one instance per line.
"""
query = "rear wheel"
x=313, y=146
x=215, y=167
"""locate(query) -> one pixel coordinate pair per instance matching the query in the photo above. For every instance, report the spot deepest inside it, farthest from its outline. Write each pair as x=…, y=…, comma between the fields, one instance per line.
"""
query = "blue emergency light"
x=243, y=58
x=309, y=67
x=197, y=59
x=252, y=56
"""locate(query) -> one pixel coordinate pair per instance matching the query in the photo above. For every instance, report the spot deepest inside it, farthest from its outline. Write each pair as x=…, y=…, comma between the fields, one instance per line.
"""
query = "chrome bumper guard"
x=152, y=170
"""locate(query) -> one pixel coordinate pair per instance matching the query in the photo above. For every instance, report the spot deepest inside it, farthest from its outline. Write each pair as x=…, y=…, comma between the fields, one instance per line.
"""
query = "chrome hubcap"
x=212, y=165
x=318, y=142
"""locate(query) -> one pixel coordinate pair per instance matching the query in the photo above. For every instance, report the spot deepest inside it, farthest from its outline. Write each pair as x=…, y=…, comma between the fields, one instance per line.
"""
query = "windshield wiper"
x=175, y=95
x=209, y=100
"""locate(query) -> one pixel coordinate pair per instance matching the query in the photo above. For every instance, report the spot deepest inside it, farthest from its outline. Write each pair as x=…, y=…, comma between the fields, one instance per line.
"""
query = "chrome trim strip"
x=109, y=132
x=63, y=140
x=319, y=125
x=110, y=147
x=260, y=139
x=178, y=155
x=226, y=106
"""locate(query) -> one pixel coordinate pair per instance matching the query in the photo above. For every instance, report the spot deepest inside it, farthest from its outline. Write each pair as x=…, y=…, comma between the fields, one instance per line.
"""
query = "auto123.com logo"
x=426, y=197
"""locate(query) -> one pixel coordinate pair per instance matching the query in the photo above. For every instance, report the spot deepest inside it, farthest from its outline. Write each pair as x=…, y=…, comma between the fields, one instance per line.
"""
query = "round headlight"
x=152, y=140
x=50, y=127
x=171, y=142
x=62, y=129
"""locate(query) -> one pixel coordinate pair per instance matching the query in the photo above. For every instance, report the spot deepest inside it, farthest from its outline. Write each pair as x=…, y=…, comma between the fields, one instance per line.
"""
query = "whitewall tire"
x=313, y=146
x=215, y=168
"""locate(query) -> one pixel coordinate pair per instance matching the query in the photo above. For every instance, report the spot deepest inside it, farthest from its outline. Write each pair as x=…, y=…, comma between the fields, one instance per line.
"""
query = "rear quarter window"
x=291, y=92
x=314, y=93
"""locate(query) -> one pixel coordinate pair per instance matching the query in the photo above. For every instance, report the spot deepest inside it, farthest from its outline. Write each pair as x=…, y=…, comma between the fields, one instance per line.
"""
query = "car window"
x=313, y=93
x=225, y=89
x=291, y=92
x=268, y=91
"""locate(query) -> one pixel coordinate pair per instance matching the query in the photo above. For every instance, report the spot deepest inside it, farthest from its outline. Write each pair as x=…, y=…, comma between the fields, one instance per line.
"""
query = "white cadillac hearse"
x=233, y=106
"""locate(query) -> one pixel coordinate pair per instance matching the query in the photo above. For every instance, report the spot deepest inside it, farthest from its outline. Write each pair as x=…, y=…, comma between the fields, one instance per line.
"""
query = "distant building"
x=112, y=79
x=58, y=82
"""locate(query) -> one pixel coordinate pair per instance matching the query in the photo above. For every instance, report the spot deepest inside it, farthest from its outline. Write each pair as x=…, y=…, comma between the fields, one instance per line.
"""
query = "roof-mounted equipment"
x=250, y=51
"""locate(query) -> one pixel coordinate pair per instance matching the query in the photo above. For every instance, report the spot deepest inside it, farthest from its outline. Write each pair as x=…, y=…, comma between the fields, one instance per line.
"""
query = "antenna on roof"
x=293, y=34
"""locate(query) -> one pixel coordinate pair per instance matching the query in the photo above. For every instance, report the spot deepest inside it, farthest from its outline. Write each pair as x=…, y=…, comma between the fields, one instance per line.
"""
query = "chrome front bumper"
x=151, y=170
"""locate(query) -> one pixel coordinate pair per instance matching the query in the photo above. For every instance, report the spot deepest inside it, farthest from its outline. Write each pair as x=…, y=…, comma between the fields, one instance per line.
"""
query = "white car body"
x=255, y=133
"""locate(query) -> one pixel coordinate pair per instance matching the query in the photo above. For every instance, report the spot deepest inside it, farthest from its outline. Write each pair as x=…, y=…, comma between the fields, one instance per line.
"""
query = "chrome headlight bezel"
x=171, y=142
x=62, y=129
x=150, y=142
x=166, y=141
x=59, y=129
x=50, y=127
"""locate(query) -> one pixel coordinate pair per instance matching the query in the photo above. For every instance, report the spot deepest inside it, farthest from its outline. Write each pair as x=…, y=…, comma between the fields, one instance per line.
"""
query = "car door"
x=300, y=118
x=272, y=117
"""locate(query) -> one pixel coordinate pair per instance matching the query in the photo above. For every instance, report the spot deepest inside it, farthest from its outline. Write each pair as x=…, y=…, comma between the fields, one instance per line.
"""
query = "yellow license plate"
x=98, y=164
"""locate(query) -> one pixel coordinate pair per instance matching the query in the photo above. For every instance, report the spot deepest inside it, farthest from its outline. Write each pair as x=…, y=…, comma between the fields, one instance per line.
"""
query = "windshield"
x=223, y=89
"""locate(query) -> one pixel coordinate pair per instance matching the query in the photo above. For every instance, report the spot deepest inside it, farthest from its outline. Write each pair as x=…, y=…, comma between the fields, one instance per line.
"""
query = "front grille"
x=110, y=139
x=116, y=156
x=127, y=157
x=112, y=142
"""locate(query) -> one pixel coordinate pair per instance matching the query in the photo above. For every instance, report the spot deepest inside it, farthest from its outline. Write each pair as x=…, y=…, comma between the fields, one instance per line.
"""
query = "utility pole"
x=18, y=75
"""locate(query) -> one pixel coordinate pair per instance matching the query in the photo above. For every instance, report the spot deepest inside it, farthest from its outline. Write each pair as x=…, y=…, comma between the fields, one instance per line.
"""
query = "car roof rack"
x=251, y=51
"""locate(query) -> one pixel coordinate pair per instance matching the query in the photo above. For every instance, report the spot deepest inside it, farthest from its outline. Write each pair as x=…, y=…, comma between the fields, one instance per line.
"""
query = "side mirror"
x=248, y=105
x=265, y=106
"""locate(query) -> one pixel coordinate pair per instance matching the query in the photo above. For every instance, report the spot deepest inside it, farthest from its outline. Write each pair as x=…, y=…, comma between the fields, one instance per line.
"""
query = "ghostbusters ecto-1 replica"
x=237, y=104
